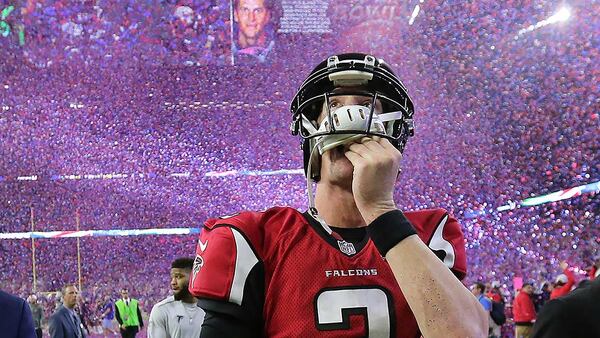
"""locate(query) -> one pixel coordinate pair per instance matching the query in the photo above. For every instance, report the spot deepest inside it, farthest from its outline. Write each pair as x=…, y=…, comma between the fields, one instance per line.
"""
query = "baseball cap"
x=562, y=278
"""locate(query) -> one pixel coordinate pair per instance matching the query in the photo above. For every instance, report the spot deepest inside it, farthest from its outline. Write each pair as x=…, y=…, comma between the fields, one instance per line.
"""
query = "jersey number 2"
x=334, y=306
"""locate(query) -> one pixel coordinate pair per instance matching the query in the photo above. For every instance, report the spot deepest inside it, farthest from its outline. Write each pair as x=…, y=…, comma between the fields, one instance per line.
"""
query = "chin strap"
x=312, y=210
x=311, y=199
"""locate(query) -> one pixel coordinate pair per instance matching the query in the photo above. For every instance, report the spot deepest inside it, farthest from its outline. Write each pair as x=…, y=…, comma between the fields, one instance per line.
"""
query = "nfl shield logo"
x=347, y=248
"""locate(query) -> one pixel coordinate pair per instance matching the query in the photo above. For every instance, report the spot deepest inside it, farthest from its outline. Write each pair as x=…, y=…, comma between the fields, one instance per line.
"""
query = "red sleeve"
x=226, y=253
x=442, y=233
x=570, y=279
x=529, y=310
x=563, y=290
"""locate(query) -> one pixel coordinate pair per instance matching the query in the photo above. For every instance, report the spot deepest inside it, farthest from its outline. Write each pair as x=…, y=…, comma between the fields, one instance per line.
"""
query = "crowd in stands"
x=151, y=94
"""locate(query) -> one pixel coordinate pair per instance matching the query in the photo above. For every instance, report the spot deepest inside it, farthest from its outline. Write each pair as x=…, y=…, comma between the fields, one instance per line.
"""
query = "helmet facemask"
x=342, y=124
x=324, y=123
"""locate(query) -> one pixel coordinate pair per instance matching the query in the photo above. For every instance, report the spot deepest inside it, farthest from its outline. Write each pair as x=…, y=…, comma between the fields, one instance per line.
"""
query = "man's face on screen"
x=251, y=16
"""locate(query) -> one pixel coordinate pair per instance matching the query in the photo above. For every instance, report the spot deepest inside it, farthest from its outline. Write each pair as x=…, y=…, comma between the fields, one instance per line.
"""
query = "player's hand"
x=376, y=164
x=564, y=265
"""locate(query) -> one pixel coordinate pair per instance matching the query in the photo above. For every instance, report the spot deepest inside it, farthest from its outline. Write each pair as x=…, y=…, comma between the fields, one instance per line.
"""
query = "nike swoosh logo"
x=202, y=245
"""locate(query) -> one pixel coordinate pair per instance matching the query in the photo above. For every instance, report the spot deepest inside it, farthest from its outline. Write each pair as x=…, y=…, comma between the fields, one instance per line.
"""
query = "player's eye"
x=367, y=104
x=334, y=104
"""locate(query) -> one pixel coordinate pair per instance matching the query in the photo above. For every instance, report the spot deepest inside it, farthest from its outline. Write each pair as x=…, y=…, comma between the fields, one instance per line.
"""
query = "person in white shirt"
x=177, y=316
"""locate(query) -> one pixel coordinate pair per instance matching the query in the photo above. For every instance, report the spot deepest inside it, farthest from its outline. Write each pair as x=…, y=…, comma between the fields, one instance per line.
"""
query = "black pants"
x=129, y=332
x=38, y=332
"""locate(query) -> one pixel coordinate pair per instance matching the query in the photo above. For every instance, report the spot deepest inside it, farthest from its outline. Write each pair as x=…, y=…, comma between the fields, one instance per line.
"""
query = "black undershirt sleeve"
x=224, y=319
x=220, y=325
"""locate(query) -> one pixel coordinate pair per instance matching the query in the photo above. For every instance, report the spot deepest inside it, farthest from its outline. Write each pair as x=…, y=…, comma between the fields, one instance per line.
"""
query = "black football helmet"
x=350, y=74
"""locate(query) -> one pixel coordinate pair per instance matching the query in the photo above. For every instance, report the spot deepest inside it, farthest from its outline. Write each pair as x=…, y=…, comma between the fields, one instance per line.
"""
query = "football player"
x=177, y=315
x=353, y=265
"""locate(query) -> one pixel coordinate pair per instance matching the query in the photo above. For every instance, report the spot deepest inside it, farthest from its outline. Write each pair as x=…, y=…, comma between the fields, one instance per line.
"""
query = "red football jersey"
x=314, y=285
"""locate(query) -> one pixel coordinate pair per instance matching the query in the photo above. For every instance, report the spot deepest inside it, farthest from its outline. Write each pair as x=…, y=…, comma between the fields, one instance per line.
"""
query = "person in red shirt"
x=524, y=311
x=564, y=282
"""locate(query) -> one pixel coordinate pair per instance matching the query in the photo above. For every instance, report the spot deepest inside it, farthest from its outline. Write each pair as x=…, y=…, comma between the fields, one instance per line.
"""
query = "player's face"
x=124, y=294
x=70, y=297
x=528, y=289
x=335, y=167
x=179, y=282
x=252, y=16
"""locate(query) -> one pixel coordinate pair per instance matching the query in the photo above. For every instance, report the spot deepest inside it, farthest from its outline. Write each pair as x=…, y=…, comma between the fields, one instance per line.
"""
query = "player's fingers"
x=361, y=150
x=389, y=148
x=354, y=158
x=371, y=144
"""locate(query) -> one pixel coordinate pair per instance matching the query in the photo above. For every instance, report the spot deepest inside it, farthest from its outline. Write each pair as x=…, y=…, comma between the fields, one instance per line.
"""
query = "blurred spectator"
x=524, y=311
x=65, y=322
x=85, y=313
x=128, y=314
x=494, y=293
x=36, y=313
x=543, y=296
x=478, y=290
x=564, y=282
x=107, y=313
x=572, y=316
x=497, y=314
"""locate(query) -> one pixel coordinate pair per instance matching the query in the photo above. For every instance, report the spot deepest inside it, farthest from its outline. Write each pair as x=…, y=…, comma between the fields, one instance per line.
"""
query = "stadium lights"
x=562, y=15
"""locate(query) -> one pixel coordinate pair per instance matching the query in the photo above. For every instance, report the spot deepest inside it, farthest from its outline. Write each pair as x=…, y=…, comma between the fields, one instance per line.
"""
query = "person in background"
x=65, y=322
x=497, y=315
x=494, y=293
x=84, y=311
x=108, y=315
x=478, y=290
x=564, y=282
x=36, y=313
x=524, y=311
x=540, y=298
x=177, y=315
x=128, y=314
